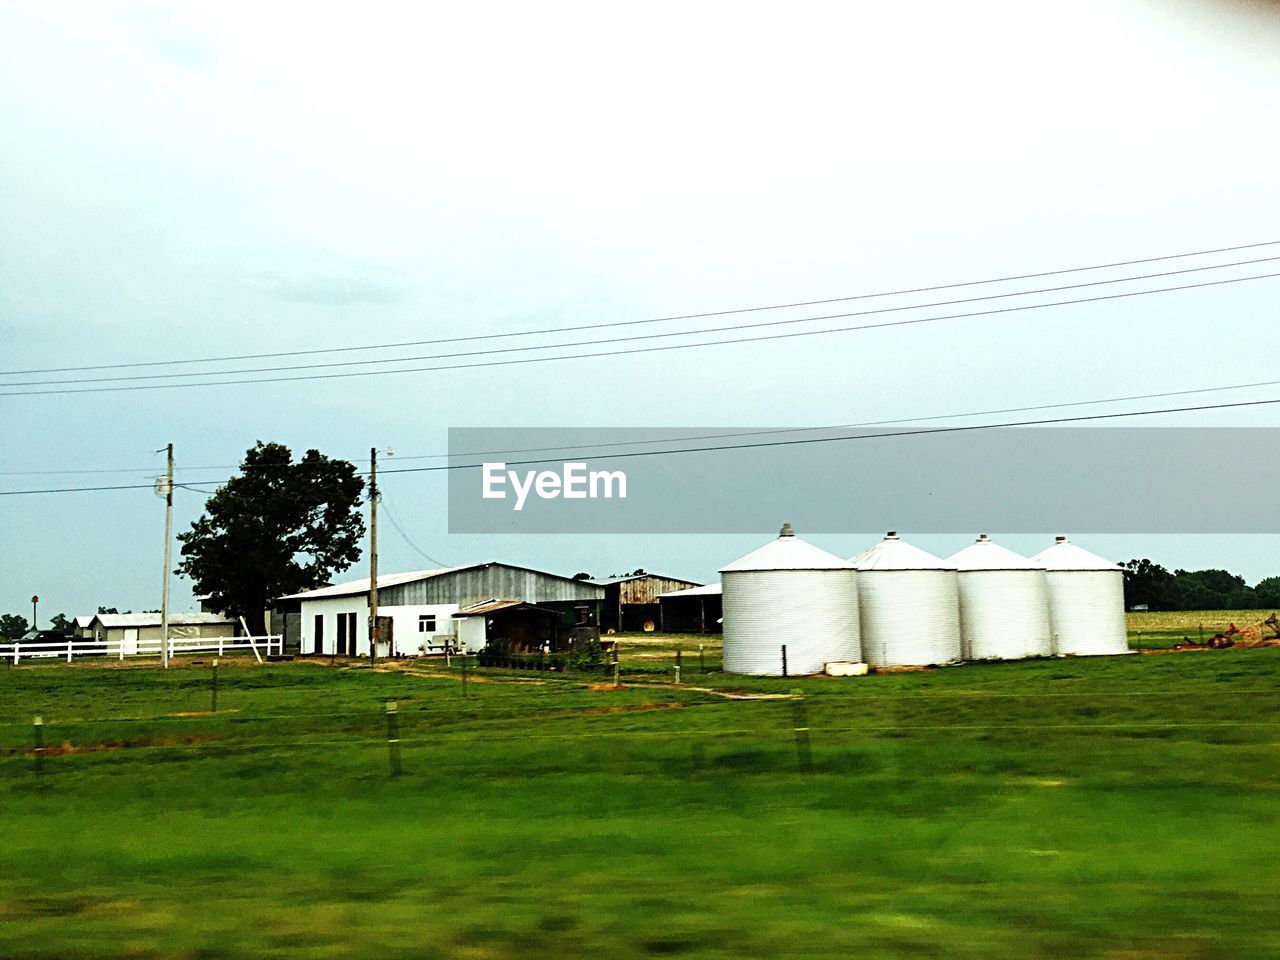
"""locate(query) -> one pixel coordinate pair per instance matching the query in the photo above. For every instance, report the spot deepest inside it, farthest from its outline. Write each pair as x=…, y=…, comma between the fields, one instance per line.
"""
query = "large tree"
x=277, y=528
x=12, y=625
x=1149, y=584
x=1268, y=592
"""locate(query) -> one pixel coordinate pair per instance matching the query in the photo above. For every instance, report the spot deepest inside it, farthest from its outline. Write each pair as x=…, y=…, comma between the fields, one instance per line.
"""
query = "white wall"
x=471, y=634
x=405, y=631
x=330, y=608
x=408, y=638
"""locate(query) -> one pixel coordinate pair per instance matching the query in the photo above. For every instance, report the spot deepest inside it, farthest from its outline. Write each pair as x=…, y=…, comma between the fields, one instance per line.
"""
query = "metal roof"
x=1065, y=555
x=353, y=587
x=190, y=618
x=605, y=581
x=362, y=586
x=893, y=553
x=493, y=606
x=787, y=552
x=710, y=590
x=985, y=554
x=84, y=620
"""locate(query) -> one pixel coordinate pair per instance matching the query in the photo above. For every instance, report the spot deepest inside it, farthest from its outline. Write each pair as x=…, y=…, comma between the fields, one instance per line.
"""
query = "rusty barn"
x=631, y=602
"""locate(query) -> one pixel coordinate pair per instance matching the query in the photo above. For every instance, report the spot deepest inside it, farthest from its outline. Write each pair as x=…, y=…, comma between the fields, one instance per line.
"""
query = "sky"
x=196, y=180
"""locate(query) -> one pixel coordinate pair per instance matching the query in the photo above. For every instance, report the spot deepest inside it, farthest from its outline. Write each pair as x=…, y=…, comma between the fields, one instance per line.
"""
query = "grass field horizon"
x=1116, y=807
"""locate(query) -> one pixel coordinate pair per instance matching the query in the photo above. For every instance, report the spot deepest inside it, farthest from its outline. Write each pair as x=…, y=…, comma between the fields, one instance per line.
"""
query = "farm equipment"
x=1225, y=638
x=1234, y=636
x=1249, y=636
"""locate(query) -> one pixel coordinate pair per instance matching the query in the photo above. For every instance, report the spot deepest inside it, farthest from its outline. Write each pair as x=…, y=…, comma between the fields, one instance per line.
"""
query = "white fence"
x=70, y=648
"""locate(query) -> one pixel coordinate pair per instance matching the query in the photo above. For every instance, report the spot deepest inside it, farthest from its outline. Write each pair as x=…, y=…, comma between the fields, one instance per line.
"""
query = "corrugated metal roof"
x=362, y=586
x=986, y=554
x=787, y=552
x=385, y=580
x=486, y=606
x=893, y=553
x=1065, y=555
x=604, y=582
x=493, y=606
x=710, y=590
x=190, y=618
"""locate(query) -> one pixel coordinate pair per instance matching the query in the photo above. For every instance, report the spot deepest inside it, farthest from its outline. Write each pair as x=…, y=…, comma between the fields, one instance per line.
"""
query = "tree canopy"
x=12, y=625
x=1148, y=583
x=277, y=528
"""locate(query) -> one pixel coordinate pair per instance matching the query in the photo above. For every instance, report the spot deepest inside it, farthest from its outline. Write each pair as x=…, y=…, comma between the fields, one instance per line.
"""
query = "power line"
x=187, y=486
x=966, y=428
x=731, y=328
x=626, y=323
x=639, y=350
x=400, y=530
x=709, y=436
x=848, y=426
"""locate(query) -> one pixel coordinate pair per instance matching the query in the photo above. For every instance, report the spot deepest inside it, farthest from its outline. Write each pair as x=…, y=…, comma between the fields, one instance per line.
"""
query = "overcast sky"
x=203, y=179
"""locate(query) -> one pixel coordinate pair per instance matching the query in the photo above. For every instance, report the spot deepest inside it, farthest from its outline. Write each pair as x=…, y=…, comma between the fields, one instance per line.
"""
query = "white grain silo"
x=908, y=604
x=790, y=593
x=1004, y=603
x=1086, y=601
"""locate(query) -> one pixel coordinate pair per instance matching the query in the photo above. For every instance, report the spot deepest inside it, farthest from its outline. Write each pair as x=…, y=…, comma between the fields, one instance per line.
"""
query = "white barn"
x=420, y=608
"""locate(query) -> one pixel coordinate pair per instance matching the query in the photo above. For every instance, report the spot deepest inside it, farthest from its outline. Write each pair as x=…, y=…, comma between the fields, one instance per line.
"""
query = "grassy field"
x=1117, y=808
x=1153, y=631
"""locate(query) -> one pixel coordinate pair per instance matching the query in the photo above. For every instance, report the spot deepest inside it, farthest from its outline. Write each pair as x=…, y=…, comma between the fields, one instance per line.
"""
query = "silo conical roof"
x=893, y=553
x=787, y=552
x=1065, y=555
x=985, y=554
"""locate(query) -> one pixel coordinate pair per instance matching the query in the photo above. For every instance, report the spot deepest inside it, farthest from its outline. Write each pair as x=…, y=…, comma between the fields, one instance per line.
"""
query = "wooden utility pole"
x=168, y=538
x=373, y=556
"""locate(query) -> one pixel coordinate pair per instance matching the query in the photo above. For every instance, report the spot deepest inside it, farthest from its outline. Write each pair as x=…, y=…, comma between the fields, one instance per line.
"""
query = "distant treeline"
x=1151, y=584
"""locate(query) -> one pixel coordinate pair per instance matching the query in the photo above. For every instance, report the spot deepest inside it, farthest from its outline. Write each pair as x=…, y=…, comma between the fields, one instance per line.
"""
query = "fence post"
x=393, y=737
x=702, y=660
x=219, y=646
x=16, y=646
x=250, y=637
x=800, y=717
x=617, y=683
x=69, y=649
x=37, y=733
x=120, y=647
x=784, y=659
x=677, y=674
x=213, y=706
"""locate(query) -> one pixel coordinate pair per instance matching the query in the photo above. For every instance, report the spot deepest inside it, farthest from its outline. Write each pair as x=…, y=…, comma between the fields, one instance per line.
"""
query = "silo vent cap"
x=891, y=535
x=983, y=538
x=1059, y=539
x=787, y=530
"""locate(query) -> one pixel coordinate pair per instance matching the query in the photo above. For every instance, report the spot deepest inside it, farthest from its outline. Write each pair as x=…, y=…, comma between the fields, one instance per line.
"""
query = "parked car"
x=43, y=636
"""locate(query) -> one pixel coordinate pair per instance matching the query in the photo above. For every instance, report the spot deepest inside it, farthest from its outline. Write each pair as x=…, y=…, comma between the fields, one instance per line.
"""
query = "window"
x=427, y=623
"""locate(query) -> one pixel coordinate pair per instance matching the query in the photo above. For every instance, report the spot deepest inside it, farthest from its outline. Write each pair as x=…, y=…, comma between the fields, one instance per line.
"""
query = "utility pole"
x=167, y=488
x=373, y=556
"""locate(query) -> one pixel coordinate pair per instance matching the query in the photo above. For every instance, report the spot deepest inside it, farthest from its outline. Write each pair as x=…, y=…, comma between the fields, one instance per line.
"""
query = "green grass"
x=1112, y=807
